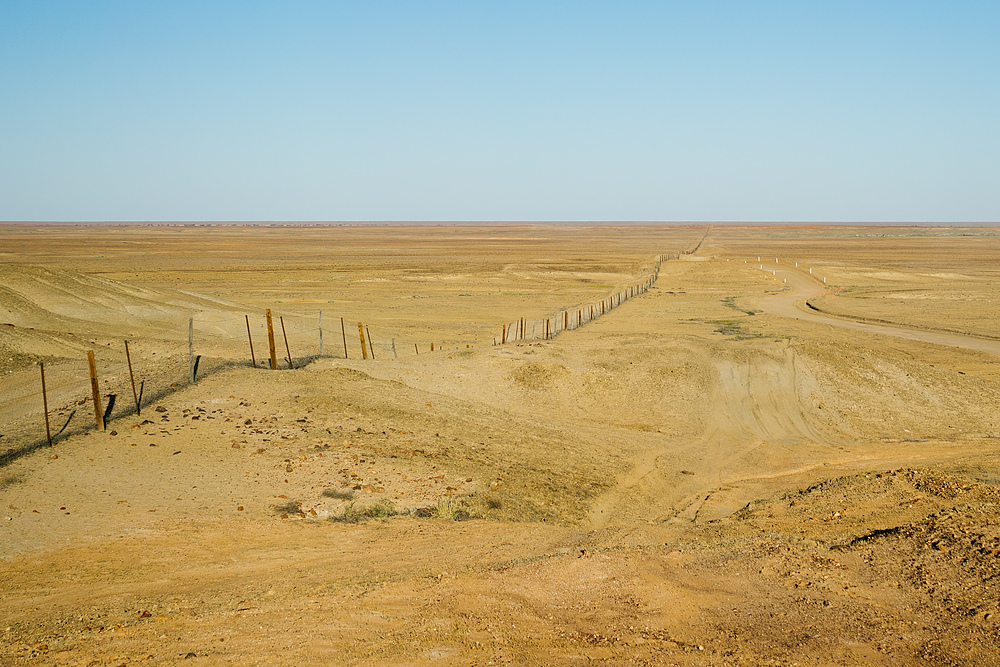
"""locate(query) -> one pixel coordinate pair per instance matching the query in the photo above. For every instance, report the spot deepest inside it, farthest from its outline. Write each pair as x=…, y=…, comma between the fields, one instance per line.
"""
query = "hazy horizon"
x=487, y=223
x=440, y=111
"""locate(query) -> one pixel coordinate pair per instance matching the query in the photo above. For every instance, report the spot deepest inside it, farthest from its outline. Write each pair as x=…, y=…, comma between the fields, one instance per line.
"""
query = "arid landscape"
x=785, y=451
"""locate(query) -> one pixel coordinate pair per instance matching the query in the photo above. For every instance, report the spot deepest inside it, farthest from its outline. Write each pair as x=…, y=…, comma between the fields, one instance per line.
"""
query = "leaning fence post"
x=285, y=336
x=253, y=359
x=45, y=404
x=361, y=334
x=98, y=416
x=343, y=332
x=131, y=377
x=321, y=333
x=370, y=347
x=417, y=350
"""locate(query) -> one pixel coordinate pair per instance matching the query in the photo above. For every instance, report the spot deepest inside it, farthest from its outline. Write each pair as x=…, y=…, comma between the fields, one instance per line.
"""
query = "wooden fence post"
x=503, y=335
x=281, y=319
x=270, y=340
x=417, y=349
x=343, y=332
x=131, y=376
x=253, y=359
x=321, y=333
x=361, y=335
x=98, y=414
x=371, y=348
x=45, y=404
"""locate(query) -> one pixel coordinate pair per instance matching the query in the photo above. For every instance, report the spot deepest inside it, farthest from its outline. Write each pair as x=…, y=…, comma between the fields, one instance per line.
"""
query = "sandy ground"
x=713, y=474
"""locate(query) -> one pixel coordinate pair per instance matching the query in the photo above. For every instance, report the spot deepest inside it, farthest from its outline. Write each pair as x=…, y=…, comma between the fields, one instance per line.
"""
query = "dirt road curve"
x=803, y=286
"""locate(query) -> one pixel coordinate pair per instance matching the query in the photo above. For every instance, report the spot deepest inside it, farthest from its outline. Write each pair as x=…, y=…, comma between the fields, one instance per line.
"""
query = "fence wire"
x=165, y=360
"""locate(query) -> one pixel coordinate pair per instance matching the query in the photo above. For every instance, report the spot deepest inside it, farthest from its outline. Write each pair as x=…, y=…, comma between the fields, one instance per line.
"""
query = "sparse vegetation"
x=291, y=507
x=730, y=302
x=734, y=328
x=339, y=494
x=383, y=509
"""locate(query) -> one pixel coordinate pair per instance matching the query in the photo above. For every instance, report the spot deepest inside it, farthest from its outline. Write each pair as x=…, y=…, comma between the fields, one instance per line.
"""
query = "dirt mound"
x=45, y=298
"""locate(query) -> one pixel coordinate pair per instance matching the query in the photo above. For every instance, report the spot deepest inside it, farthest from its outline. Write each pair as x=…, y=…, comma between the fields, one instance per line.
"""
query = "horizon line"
x=458, y=223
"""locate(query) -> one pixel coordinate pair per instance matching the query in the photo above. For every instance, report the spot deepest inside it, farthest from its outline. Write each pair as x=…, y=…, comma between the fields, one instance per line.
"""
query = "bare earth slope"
x=679, y=482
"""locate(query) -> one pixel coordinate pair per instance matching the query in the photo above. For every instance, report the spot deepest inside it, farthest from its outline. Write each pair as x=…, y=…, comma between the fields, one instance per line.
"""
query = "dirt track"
x=679, y=482
x=804, y=287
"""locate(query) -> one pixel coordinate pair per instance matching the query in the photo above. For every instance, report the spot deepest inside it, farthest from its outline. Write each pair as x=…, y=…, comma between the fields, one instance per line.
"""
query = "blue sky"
x=658, y=111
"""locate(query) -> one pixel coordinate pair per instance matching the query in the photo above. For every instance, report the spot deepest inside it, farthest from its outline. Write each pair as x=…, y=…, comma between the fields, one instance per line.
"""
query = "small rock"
x=160, y=408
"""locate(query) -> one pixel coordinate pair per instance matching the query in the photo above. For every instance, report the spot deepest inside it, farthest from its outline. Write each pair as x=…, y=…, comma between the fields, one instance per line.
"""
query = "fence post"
x=270, y=340
x=98, y=416
x=371, y=348
x=503, y=335
x=253, y=359
x=394, y=355
x=321, y=333
x=343, y=332
x=417, y=349
x=131, y=377
x=361, y=334
x=45, y=404
x=281, y=319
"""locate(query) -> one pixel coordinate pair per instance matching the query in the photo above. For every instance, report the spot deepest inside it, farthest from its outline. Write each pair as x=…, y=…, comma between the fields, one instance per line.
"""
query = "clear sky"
x=500, y=110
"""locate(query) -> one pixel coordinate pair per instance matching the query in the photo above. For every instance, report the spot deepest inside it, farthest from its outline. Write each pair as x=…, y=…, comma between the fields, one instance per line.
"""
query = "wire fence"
x=131, y=376
x=577, y=316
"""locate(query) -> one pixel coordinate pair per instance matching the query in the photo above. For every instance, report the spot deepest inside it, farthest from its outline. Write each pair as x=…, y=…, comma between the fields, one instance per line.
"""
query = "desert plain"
x=784, y=451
